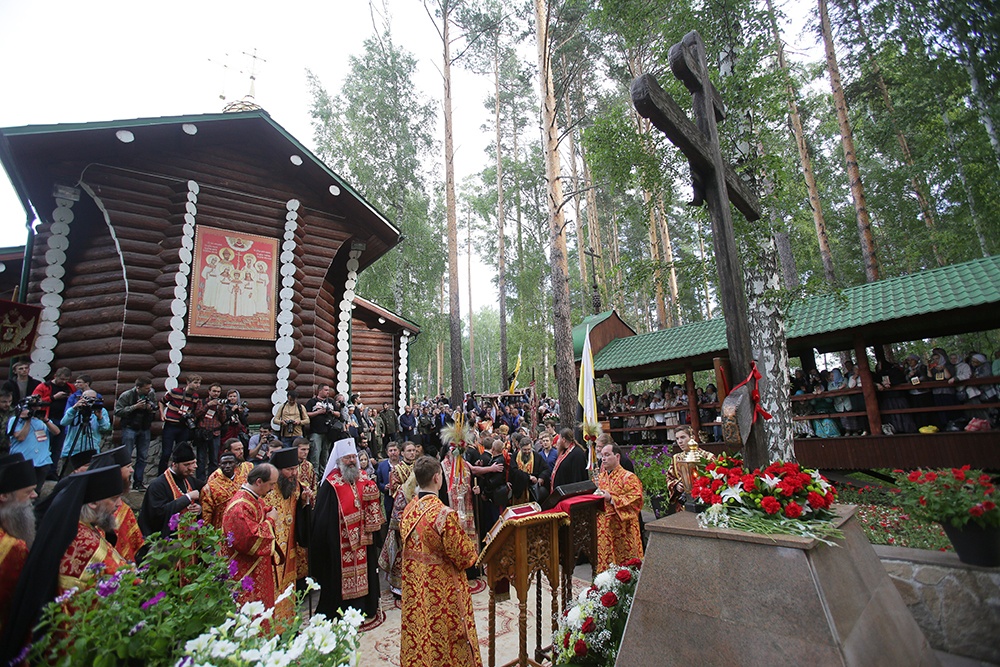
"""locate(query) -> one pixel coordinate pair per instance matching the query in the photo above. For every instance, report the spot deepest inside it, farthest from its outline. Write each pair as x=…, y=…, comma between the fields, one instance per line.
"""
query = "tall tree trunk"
x=789, y=272
x=918, y=184
x=472, y=336
x=501, y=215
x=704, y=271
x=977, y=95
x=654, y=256
x=674, y=312
x=868, y=252
x=800, y=141
x=575, y=180
x=454, y=307
x=440, y=348
x=565, y=370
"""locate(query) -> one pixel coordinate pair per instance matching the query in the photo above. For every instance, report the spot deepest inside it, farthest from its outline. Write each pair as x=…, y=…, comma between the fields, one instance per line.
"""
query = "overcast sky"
x=70, y=62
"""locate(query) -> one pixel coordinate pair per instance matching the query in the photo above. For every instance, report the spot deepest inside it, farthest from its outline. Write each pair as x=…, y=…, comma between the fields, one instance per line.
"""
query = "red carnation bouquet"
x=782, y=498
x=590, y=632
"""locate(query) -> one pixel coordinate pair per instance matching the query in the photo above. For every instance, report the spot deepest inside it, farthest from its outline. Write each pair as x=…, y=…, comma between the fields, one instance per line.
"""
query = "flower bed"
x=885, y=522
x=590, y=632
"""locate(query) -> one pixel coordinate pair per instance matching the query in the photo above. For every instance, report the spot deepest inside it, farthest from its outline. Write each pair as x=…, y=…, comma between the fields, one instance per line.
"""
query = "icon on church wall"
x=233, y=281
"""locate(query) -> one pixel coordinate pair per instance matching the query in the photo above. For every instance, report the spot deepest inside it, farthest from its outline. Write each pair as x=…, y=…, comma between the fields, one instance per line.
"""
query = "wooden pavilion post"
x=692, y=393
x=868, y=386
x=723, y=377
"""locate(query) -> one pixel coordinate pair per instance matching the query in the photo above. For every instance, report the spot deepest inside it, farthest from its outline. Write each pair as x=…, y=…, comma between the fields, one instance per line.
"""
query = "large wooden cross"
x=717, y=184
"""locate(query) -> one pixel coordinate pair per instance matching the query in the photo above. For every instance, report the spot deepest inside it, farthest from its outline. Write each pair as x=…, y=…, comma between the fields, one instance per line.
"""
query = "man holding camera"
x=177, y=412
x=30, y=431
x=136, y=409
x=321, y=411
x=291, y=419
x=208, y=429
x=86, y=422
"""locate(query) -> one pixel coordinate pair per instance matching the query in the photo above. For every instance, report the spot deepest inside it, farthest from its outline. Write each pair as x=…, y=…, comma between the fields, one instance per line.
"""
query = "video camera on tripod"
x=34, y=405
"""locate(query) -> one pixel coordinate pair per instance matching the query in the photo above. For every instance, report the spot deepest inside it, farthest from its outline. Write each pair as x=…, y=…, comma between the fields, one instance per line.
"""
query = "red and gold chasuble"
x=361, y=514
x=130, y=538
x=13, y=554
x=286, y=569
x=217, y=493
x=618, y=535
x=438, y=626
x=307, y=478
x=253, y=545
x=88, y=548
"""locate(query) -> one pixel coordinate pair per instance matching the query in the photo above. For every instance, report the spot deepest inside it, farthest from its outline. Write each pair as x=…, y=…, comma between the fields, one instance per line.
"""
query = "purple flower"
x=67, y=595
x=230, y=540
x=233, y=569
x=136, y=628
x=247, y=583
x=107, y=587
x=154, y=600
x=174, y=520
x=96, y=568
x=22, y=656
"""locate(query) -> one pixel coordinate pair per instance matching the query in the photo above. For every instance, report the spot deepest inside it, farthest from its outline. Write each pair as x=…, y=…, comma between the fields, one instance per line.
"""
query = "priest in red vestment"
x=438, y=626
x=285, y=498
x=17, y=524
x=220, y=488
x=618, y=533
x=127, y=538
x=251, y=523
x=342, y=556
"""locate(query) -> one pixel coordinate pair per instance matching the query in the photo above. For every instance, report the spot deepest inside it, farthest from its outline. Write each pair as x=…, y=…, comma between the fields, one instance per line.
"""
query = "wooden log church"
x=213, y=244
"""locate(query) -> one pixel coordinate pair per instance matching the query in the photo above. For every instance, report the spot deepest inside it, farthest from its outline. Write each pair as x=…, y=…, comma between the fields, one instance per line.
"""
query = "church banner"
x=233, y=280
x=18, y=326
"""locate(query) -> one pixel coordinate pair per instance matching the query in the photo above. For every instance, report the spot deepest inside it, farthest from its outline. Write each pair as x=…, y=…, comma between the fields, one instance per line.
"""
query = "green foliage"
x=143, y=615
x=956, y=496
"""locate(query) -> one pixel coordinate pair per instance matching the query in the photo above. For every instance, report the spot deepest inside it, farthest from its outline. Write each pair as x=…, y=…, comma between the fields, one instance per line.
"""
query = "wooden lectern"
x=516, y=549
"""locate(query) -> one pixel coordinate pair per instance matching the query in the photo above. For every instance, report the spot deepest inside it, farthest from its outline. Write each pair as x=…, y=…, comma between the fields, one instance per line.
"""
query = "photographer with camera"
x=322, y=412
x=83, y=382
x=30, y=431
x=235, y=418
x=86, y=423
x=291, y=419
x=208, y=429
x=177, y=408
x=136, y=408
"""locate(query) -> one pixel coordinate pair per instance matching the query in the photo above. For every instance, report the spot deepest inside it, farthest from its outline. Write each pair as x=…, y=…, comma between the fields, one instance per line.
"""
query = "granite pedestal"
x=723, y=597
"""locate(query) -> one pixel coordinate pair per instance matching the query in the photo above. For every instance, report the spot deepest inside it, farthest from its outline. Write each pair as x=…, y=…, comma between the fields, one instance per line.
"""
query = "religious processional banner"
x=233, y=281
x=18, y=326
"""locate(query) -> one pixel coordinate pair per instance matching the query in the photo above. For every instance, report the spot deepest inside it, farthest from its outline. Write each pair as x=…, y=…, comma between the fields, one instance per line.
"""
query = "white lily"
x=770, y=481
x=733, y=493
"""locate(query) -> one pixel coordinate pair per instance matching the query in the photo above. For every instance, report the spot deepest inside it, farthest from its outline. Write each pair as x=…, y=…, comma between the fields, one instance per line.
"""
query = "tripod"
x=84, y=433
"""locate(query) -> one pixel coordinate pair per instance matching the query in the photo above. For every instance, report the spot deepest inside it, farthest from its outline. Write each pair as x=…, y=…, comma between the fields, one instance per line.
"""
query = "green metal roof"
x=580, y=330
x=881, y=308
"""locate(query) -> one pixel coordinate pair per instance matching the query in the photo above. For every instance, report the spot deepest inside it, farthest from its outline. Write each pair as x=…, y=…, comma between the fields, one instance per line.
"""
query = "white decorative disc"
x=288, y=246
x=188, y=229
x=292, y=205
x=180, y=292
x=190, y=128
x=345, y=316
x=60, y=228
x=286, y=304
x=286, y=293
x=343, y=387
x=53, y=256
x=176, y=356
x=192, y=197
x=39, y=370
x=189, y=219
x=288, y=281
x=402, y=405
x=47, y=328
x=185, y=255
x=350, y=284
x=178, y=307
x=194, y=187
x=187, y=243
x=282, y=374
x=334, y=190
x=281, y=385
x=278, y=397
x=58, y=241
x=177, y=339
x=342, y=367
x=287, y=257
x=291, y=216
x=52, y=285
x=125, y=136
x=282, y=360
x=180, y=279
x=345, y=306
x=284, y=345
x=173, y=370
x=352, y=275
x=284, y=317
x=170, y=383
x=177, y=323
x=45, y=342
x=343, y=326
x=289, y=236
x=191, y=208
x=343, y=335
x=184, y=268
x=50, y=313
x=64, y=215
x=55, y=270
x=343, y=356
x=296, y=160
x=54, y=301
x=349, y=295
x=288, y=269
x=352, y=264
x=286, y=330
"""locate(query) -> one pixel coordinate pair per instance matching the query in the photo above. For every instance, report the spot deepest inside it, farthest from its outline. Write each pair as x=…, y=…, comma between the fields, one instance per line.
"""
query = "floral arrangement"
x=143, y=615
x=242, y=640
x=590, y=632
x=783, y=498
x=956, y=496
x=651, y=465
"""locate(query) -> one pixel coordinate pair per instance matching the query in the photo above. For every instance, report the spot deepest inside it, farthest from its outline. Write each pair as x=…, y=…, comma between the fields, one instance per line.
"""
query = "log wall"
x=115, y=331
x=371, y=375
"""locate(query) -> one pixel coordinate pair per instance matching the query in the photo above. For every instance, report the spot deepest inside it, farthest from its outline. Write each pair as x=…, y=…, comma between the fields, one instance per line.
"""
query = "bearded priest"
x=252, y=525
x=618, y=534
x=342, y=556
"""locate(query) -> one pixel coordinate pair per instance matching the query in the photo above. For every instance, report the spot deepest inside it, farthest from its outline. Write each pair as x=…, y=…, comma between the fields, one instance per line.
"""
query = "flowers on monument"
x=243, y=640
x=590, y=632
x=782, y=498
x=143, y=615
x=955, y=496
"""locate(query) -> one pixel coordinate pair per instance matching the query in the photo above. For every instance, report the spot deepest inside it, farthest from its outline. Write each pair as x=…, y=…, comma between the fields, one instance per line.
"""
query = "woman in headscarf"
x=824, y=427
x=942, y=370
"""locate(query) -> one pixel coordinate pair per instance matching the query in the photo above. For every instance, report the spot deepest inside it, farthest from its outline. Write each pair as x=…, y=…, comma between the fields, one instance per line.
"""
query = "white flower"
x=252, y=608
x=573, y=618
x=716, y=474
x=225, y=627
x=251, y=655
x=353, y=617
x=199, y=644
x=604, y=579
x=582, y=597
x=311, y=584
x=287, y=593
x=325, y=643
x=223, y=649
x=770, y=481
x=733, y=493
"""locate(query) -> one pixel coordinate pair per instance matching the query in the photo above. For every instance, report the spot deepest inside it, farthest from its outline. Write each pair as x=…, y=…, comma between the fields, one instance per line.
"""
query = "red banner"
x=18, y=326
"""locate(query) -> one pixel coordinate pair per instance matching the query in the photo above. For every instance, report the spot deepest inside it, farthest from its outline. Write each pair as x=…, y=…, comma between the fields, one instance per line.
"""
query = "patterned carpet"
x=380, y=646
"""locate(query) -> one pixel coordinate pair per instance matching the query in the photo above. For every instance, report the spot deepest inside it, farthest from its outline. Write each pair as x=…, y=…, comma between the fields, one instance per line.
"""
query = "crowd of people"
x=393, y=486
